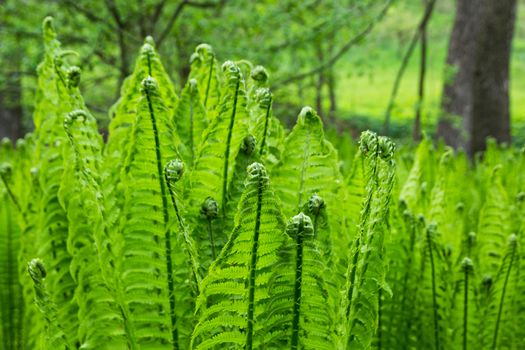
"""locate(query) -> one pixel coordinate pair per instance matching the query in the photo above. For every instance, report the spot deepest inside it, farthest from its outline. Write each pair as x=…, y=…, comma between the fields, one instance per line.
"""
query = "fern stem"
x=167, y=237
x=210, y=236
x=502, y=299
x=253, y=265
x=465, y=311
x=209, y=82
x=191, y=127
x=227, y=151
x=182, y=227
x=434, y=293
x=304, y=165
x=298, y=286
x=365, y=214
x=266, y=122
x=13, y=199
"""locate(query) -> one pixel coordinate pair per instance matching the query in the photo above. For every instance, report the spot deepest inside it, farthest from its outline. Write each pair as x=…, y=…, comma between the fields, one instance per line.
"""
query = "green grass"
x=371, y=68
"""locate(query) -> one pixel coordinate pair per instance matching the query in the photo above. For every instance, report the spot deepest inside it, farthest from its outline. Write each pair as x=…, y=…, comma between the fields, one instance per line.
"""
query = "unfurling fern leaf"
x=267, y=129
x=308, y=165
x=213, y=170
x=55, y=336
x=300, y=313
x=366, y=269
x=146, y=250
x=190, y=121
x=51, y=218
x=123, y=113
x=102, y=322
x=205, y=69
x=493, y=225
x=235, y=294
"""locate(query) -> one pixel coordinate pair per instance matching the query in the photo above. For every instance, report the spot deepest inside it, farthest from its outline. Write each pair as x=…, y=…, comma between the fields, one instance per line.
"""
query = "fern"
x=301, y=314
x=146, y=254
x=205, y=70
x=55, y=335
x=310, y=161
x=366, y=271
x=213, y=170
x=190, y=121
x=235, y=294
x=78, y=194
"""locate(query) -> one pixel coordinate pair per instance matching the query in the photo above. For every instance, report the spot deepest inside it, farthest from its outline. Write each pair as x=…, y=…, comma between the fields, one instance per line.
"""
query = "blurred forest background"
x=398, y=67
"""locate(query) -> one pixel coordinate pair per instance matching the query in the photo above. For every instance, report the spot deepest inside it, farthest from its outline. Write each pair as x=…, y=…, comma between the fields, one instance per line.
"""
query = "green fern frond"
x=493, y=224
x=215, y=163
x=366, y=270
x=101, y=324
x=190, y=121
x=301, y=311
x=308, y=165
x=205, y=69
x=55, y=336
x=146, y=251
x=235, y=294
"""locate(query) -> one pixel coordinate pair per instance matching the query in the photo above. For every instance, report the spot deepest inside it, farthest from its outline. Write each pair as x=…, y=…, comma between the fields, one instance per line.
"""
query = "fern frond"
x=214, y=167
x=308, y=165
x=493, y=224
x=55, y=335
x=366, y=270
x=235, y=294
x=146, y=251
x=190, y=121
x=205, y=69
x=300, y=313
x=101, y=324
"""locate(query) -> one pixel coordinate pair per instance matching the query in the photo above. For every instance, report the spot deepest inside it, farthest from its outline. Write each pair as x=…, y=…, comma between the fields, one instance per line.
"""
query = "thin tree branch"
x=420, y=29
x=171, y=22
x=95, y=18
x=354, y=40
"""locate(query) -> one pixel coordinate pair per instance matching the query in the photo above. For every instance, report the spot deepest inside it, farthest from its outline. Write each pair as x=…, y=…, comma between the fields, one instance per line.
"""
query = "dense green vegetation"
x=201, y=222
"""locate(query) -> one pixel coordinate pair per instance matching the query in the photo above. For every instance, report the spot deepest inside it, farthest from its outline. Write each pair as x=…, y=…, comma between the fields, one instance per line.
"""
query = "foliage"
x=202, y=224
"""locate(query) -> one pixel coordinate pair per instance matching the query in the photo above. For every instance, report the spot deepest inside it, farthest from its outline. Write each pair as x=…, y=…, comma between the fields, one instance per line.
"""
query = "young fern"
x=308, y=165
x=234, y=296
x=145, y=249
x=173, y=172
x=213, y=169
x=366, y=270
x=102, y=316
x=205, y=70
x=301, y=311
x=190, y=121
x=55, y=336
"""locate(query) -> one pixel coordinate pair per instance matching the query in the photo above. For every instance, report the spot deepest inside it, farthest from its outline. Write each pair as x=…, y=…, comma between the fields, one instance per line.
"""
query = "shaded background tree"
x=476, y=91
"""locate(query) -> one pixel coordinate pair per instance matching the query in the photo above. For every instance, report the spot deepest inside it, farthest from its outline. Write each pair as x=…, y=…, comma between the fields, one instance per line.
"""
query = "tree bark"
x=11, y=111
x=476, y=92
x=321, y=80
x=416, y=132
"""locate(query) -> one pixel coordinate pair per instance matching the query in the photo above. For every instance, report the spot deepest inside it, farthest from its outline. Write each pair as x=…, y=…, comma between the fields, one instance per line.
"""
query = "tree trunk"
x=11, y=112
x=476, y=92
x=320, y=82
x=332, y=112
x=416, y=132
